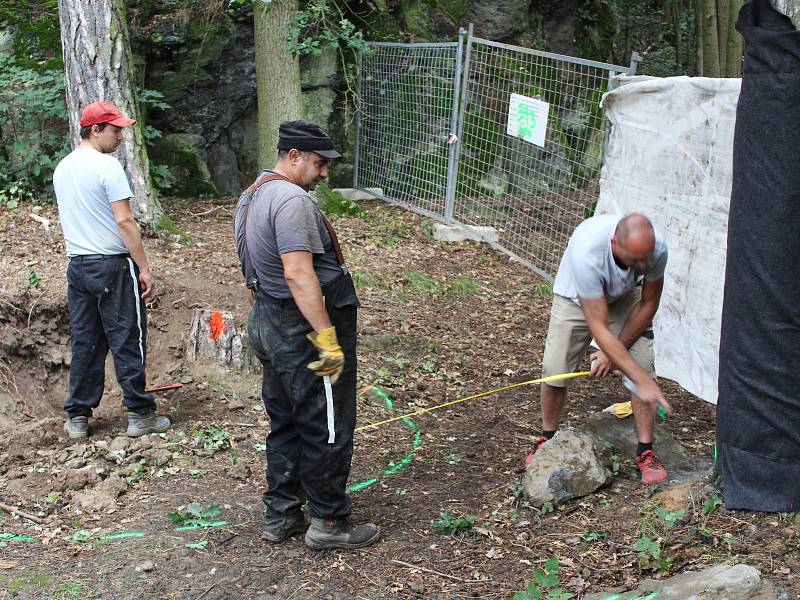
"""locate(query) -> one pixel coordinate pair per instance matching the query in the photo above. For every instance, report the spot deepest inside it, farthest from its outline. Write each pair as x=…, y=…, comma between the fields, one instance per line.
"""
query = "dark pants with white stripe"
x=303, y=459
x=106, y=312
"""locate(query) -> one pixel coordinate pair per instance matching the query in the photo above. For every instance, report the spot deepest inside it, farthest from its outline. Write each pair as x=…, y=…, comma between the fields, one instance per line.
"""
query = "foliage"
x=36, y=32
x=335, y=204
x=545, y=586
x=212, y=439
x=34, y=279
x=195, y=515
x=162, y=177
x=33, y=135
x=542, y=289
x=654, y=524
x=446, y=523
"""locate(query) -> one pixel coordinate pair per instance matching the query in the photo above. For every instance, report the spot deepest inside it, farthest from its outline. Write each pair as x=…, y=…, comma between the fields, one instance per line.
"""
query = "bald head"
x=634, y=241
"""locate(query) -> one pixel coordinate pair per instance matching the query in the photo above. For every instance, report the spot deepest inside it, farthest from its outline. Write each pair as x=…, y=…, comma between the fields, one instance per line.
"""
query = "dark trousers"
x=301, y=462
x=106, y=312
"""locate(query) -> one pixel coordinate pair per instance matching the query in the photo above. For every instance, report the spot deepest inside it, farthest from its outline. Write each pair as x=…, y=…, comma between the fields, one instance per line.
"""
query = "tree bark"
x=277, y=75
x=719, y=45
x=98, y=67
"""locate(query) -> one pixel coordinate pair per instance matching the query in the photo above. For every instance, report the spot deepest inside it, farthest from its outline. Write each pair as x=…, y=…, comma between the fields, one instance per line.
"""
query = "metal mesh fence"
x=407, y=105
x=533, y=195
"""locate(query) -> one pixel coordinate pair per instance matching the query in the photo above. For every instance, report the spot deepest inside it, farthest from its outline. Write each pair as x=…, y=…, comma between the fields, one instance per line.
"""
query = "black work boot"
x=340, y=533
x=279, y=528
x=77, y=427
x=149, y=422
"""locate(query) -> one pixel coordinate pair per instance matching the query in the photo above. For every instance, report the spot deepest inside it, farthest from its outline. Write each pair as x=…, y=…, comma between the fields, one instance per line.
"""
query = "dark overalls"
x=308, y=450
x=106, y=312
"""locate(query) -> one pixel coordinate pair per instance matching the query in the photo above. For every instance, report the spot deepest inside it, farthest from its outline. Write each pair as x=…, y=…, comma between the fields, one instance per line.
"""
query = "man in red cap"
x=108, y=278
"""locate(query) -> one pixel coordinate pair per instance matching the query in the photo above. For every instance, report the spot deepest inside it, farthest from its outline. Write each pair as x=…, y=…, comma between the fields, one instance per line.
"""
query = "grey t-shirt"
x=588, y=268
x=284, y=218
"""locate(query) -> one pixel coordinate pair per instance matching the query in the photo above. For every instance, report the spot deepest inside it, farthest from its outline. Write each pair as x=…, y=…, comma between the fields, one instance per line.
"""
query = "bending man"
x=608, y=286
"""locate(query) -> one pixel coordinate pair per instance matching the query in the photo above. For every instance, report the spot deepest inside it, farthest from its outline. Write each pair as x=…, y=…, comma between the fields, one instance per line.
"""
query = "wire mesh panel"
x=534, y=195
x=407, y=108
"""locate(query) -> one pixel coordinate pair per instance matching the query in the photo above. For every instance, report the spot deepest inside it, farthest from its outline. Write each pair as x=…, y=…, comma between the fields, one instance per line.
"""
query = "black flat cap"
x=303, y=135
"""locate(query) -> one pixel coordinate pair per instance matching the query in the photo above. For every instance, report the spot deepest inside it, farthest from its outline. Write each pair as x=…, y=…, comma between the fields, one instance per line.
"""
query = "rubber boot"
x=279, y=528
x=340, y=533
x=77, y=427
x=149, y=422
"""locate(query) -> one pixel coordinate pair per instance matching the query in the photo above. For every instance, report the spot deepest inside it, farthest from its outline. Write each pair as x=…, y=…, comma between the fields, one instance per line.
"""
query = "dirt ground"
x=439, y=322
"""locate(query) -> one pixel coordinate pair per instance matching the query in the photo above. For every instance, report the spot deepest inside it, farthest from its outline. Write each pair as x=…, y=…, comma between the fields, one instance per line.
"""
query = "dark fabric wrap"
x=758, y=412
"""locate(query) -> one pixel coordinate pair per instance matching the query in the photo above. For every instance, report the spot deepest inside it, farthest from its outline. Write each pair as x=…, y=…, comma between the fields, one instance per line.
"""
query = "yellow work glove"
x=331, y=357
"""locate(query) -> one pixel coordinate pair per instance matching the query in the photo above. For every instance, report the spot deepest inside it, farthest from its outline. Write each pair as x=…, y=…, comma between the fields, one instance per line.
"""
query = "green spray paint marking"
x=202, y=526
x=120, y=536
x=393, y=467
x=16, y=537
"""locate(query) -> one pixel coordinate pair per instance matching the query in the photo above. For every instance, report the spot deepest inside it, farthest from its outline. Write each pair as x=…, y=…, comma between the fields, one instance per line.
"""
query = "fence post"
x=455, y=150
x=357, y=132
x=452, y=138
x=636, y=58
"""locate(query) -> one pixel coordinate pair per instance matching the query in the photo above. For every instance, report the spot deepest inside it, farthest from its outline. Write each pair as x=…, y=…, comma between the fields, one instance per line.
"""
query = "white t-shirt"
x=86, y=182
x=588, y=268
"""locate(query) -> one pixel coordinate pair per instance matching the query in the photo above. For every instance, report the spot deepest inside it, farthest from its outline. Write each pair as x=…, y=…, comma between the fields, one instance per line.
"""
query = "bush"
x=34, y=131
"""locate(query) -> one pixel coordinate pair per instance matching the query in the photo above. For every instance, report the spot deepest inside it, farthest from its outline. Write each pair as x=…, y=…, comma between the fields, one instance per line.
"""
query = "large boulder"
x=621, y=434
x=569, y=466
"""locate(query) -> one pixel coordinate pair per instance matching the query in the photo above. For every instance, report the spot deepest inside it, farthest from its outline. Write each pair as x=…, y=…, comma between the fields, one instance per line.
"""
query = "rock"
x=114, y=486
x=185, y=155
x=239, y=471
x=235, y=403
x=145, y=566
x=417, y=585
x=157, y=457
x=681, y=466
x=94, y=501
x=143, y=443
x=77, y=479
x=120, y=444
x=568, y=466
x=721, y=582
x=187, y=379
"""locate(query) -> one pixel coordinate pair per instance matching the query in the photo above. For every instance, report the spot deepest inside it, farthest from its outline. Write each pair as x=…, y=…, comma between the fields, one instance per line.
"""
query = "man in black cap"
x=302, y=327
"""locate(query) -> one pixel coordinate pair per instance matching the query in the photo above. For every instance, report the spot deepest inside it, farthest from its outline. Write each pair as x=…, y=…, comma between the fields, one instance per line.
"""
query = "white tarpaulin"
x=669, y=156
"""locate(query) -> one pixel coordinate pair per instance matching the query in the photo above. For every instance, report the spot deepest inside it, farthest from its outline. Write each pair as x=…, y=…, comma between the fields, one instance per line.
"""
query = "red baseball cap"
x=104, y=112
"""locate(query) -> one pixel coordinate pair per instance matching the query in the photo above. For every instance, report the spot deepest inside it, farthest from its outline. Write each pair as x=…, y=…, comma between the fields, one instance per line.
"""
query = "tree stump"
x=215, y=336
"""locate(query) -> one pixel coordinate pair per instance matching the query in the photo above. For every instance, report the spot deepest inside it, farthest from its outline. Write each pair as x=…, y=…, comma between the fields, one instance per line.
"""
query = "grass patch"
x=422, y=283
x=363, y=280
x=462, y=286
x=335, y=205
x=543, y=290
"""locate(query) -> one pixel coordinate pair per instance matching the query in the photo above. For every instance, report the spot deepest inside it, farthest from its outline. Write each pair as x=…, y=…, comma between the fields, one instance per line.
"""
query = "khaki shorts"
x=568, y=336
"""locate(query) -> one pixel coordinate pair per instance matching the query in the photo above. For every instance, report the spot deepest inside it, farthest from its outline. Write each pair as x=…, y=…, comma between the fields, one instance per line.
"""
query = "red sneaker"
x=650, y=466
x=542, y=439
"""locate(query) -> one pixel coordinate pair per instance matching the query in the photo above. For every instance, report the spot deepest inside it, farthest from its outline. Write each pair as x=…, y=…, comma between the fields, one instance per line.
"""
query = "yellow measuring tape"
x=422, y=411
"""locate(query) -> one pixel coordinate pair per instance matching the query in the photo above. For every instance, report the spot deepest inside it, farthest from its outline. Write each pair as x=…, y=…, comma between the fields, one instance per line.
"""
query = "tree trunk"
x=719, y=45
x=277, y=75
x=98, y=67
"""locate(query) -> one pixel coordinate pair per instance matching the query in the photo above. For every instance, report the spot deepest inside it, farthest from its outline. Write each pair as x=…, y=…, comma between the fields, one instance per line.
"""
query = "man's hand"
x=147, y=283
x=650, y=394
x=331, y=357
x=601, y=366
